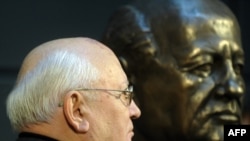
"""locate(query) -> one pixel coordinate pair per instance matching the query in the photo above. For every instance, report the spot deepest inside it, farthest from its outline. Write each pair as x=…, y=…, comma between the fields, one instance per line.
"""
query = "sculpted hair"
x=36, y=96
x=146, y=29
x=129, y=35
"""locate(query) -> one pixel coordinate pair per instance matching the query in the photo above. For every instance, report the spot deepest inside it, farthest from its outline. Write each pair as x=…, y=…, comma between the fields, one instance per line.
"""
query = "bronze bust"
x=184, y=58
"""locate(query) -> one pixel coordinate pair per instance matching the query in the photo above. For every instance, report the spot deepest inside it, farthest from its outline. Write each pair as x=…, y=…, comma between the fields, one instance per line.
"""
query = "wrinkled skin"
x=185, y=61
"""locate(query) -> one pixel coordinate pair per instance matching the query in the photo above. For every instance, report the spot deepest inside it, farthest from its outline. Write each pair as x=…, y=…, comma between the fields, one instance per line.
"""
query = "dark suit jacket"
x=25, y=136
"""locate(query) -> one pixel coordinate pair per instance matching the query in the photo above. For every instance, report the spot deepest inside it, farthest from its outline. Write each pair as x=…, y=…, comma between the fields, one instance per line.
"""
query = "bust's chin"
x=209, y=133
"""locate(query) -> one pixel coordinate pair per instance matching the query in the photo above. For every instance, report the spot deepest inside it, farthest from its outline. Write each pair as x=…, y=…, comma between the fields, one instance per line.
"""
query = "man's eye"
x=126, y=97
x=202, y=70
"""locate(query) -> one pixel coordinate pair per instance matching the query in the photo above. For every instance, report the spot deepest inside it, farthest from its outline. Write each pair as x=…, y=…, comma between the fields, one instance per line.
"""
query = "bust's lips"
x=226, y=117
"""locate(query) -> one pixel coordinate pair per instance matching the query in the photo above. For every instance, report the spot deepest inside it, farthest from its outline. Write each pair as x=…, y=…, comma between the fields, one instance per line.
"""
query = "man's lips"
x=131, y=134
x=131, y=131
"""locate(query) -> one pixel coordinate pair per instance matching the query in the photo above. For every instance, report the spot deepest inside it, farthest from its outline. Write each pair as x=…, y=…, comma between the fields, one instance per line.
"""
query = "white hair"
x=35, y=98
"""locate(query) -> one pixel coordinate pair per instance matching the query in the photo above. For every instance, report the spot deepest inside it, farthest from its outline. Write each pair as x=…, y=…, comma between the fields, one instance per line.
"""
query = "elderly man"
x=72, y=89
x=184, y=58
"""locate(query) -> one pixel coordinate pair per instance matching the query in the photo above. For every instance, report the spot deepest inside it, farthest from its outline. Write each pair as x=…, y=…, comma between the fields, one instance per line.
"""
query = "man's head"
x=185, y=60
x=62, y=92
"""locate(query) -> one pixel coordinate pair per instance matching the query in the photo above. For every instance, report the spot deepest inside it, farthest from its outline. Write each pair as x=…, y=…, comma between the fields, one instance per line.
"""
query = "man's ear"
x=74, y=108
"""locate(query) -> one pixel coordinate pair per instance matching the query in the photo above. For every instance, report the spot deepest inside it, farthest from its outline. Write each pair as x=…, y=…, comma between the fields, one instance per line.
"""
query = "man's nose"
x=134, y=110
x=231, y=83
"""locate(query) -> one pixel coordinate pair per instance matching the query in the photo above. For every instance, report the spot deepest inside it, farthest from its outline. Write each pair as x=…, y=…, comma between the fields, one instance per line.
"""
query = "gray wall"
x=28, y=23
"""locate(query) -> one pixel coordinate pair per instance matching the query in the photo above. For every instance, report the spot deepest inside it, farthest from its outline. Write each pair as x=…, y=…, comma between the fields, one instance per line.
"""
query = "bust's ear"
x=75, y=110
x=124, y=63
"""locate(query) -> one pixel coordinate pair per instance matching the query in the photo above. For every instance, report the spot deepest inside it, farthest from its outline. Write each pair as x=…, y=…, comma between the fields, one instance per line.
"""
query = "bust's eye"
x=238, y=68
x=238, y=63
x=199, y=65
x=202, y=70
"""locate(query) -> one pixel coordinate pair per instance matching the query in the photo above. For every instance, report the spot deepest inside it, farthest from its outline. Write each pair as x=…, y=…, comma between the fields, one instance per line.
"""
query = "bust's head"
x=184, y=59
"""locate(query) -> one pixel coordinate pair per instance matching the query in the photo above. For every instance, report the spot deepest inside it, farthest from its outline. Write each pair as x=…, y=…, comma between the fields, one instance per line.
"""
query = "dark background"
x=28, y=23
